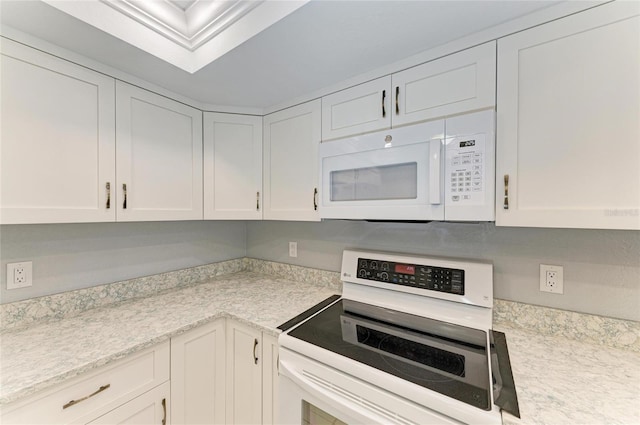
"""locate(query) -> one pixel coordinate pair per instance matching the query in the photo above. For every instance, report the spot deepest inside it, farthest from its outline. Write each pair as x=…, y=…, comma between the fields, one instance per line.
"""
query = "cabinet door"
x=57, y=159
x=151, y=408
x=269, y=379
x=244, y=374
x=357, y=110
x=568, y=132
x=291, y=139
x=232, y=166
x=159, y=157
x=198, y=376
x=461, y=82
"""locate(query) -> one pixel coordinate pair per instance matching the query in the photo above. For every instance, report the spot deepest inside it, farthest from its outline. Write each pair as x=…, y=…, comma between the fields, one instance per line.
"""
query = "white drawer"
x=93, y=394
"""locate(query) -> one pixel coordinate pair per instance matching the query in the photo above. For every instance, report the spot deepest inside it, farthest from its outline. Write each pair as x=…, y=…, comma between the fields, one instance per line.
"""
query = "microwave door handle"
x=435, y=149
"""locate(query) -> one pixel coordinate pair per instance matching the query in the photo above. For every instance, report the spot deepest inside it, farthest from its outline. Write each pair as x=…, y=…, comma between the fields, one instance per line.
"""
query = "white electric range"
x=409, y=342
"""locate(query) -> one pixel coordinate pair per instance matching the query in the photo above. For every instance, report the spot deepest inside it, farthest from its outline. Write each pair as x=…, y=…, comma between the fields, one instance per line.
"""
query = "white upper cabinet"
x=58, y=140
x=291, y=139
x=568, y=122
x=360, y=109
x=232, y=167
x=461, y=82
x=159, y=157
x=454, y=84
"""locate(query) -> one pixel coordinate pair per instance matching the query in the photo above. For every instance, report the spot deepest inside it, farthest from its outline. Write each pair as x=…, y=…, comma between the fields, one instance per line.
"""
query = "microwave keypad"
x=418, y=276
x=466, y=170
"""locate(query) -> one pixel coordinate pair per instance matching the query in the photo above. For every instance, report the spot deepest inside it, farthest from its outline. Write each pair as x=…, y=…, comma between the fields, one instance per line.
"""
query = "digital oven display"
x=405, y=269
x=467, y=143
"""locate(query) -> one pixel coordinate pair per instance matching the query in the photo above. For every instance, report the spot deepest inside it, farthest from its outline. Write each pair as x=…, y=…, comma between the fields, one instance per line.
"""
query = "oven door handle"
x=364, y=411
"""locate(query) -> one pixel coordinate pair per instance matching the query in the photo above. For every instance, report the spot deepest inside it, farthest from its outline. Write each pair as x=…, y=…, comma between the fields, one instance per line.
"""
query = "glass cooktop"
x=440, y=356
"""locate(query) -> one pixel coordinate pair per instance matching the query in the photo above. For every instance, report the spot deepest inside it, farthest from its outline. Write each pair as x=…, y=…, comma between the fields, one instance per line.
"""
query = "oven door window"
x=316, y=416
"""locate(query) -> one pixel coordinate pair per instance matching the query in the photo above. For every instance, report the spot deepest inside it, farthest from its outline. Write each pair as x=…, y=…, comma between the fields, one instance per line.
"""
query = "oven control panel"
x=416, y=275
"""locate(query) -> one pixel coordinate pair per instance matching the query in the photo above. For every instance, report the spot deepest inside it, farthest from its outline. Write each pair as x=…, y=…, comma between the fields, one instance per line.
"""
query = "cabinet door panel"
x=291, y=139
x=568, y=126
x=232, y=167
x=244, y=375
x=461, y=82
x=58, y=140
x=159, y=157
x=269, y=379
x=357, y=110
x=198, y=376
x=151, y=408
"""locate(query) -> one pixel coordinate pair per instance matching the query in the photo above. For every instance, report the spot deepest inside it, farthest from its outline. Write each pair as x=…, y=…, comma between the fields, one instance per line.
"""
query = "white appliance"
x=437, y=170
x=409, y=342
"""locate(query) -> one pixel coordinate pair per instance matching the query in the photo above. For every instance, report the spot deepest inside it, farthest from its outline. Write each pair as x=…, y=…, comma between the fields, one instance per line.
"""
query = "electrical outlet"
x=293, y=249
x=19, y=275
x=551, y=279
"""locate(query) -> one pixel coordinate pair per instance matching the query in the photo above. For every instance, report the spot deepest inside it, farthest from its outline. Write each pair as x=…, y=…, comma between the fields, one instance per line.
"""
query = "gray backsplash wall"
x=601, y=267
x=74, y=256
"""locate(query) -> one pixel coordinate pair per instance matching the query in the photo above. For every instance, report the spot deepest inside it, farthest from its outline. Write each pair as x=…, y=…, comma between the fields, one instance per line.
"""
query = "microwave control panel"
x=465, y=178
x=414, y=275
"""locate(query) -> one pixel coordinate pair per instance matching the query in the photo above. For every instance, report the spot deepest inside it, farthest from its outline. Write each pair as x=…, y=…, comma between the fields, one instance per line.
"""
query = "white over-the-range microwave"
x=437, y=170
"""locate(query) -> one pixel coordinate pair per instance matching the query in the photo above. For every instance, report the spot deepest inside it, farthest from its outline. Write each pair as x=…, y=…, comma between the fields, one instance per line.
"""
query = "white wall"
x=73, y=256
x=601, y=267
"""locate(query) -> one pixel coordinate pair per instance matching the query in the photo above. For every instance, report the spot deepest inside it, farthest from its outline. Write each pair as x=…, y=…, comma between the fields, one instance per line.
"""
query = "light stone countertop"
x=563, y=381
x=558, y=380
x=47, y=354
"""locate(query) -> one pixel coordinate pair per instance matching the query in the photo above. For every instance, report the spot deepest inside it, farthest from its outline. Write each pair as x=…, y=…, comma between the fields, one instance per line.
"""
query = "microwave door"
x=401, y=182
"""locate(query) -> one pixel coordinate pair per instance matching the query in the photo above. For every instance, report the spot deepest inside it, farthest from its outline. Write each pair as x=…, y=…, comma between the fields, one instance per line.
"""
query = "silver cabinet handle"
x=397, y=100
x=108, y=187
x=124, y=189
x=257, y=201
x=506, y=192
x=255, y=345
x=384, y=95
x=98, y=391
x=164, y=411
x=315, y=199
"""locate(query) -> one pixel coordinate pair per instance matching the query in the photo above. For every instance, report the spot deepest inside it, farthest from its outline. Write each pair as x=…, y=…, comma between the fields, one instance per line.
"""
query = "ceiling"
x=317, y=45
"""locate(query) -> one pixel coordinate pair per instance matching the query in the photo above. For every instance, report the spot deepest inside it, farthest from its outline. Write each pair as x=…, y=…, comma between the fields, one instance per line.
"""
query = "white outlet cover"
x=12, y=283
x=558, y=287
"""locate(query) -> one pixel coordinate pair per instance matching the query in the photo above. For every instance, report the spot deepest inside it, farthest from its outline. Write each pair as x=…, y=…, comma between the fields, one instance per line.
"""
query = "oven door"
x=389, y=175
x=313, y=393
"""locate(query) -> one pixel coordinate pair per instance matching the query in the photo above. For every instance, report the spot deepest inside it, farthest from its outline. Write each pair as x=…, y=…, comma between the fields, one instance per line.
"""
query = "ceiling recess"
x=187, y=34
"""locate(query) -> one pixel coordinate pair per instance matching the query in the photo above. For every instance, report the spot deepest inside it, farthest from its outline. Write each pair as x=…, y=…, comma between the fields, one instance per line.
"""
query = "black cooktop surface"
x=440, y=356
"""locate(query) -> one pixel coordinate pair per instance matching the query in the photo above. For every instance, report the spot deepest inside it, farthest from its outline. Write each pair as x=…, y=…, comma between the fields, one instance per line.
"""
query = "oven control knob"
x=362, y=273
x=374, y=265
x=385, y=266
x=384, y=276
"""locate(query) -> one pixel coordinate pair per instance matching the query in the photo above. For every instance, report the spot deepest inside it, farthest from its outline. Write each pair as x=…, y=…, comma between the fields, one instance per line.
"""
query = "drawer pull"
x=98, y=391
x=255, y=345
x=164, y=411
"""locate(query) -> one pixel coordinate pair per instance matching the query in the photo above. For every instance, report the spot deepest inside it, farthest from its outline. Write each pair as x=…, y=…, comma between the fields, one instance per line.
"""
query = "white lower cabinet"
x=131, y=384
x=224, y=372
x=244, y=374
x=270, y=360
x=198, y=375
x=151, y=408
